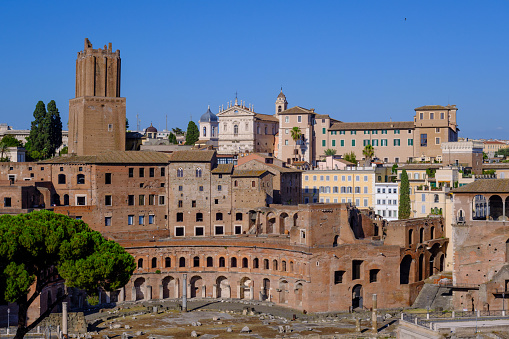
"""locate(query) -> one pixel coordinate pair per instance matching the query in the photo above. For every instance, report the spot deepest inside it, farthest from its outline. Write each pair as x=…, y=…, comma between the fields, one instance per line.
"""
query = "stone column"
x=161, y=292
x=374, y=316
x=184, y=293
x=203, y=292
x=251, y=292
x=214, y=291
x=133, y=294
x=64, y=319
x=239, y=288
x=148, y=295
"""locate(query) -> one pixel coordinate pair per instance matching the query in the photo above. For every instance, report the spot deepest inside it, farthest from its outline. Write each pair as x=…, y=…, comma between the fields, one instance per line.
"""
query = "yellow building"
x=354, y=185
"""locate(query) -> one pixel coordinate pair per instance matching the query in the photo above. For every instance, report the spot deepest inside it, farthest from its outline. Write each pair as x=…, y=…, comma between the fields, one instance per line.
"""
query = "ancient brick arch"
x=169, y=287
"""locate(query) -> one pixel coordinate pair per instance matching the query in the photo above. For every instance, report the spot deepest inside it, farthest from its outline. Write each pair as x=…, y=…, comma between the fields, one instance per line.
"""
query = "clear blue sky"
x=353, y=60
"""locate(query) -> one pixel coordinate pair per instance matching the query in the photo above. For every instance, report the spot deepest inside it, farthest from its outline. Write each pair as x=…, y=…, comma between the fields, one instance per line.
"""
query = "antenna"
x=166, y=122
x=137, y=122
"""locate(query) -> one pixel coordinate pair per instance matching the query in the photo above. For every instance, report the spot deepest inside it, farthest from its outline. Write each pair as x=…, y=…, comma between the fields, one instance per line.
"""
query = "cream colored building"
x=241, y=130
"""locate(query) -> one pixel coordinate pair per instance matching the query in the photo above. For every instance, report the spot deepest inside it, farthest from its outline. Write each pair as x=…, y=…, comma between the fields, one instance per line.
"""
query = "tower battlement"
x=107, y=51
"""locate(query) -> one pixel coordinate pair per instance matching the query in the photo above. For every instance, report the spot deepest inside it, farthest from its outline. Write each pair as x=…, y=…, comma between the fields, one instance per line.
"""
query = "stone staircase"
x=434, y=297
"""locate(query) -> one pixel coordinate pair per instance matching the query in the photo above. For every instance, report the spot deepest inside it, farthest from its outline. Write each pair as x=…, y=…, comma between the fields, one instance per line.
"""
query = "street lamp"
x=8, y=320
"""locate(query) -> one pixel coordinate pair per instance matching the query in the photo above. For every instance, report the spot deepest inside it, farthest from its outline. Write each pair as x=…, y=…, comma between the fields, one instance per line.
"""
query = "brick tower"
x=97, y=114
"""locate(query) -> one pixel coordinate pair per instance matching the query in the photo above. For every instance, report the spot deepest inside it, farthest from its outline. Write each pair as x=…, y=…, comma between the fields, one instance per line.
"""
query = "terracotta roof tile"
x=434, y=107
x=223, y=169
x=485, y=186
x=114, y=157
x=248, y=173
x=297, y=110
x=266, y=117
x=192, y=156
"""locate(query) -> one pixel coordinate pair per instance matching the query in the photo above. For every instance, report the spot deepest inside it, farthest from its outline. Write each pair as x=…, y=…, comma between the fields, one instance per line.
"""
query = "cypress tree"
x=54, y=128
x=192, y=134
x=404, y=196
x=172, y=138
x=36, y=137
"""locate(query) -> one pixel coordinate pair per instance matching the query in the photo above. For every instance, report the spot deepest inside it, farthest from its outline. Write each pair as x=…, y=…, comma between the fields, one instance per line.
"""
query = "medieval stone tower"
x=97, y=114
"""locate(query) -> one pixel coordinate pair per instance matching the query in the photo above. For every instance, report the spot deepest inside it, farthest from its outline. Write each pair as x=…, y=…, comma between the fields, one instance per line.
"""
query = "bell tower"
x=97, y=113
x=281, y=103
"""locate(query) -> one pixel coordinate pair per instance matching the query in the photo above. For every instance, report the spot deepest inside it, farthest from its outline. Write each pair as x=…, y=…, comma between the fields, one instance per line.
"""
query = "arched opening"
x=154, y=262
x=56, y=199
x=233, y=262
x=283, y=266
x=421, y=267
x=298, y=294
x=271, y=220
x=223, y=287
x=496, y=207
x=410, y=236
x=431, y=265
x=139, y=287
x=404, y=269
x=432, y=231
x=266, y=264
x=245, y=288
x=168, y=287
x=196, y=283
x=66, y=199
x=283, y=219
x=80, y=179
x=61, y=179
x=442, y=260
x=283, y=292
x=265, y=289
x=421, y=235
x=274, y=265
x=167, y=262
x=196, y=261
x=182, y=262
x=198, y=172
x=335, y=242
x=295, y=218
x=256, y=263
x=291, y=266
x=222, y=262
x=480, y=208
x=506, y=207
x=140, y=263
x=507, y=251
x=244, y=263
x=357, y=298
x=210, y=262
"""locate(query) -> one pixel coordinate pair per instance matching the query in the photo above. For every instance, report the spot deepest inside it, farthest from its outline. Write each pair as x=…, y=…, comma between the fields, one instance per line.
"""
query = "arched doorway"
x=295, y=218
x=335, y=242
x=223, y=288
x=496, y=207
x=245, y=288
x=442, y=259
x=168, y=287
x=139, y=287
x=298, y=294
x=56, y=199
x=271, y=220
x=196, y=286
x=66, y=199
x=357, y=299
x=283, y=219
x=265, y=289
x=480, y=207
x=283, y=292
x=404, y=269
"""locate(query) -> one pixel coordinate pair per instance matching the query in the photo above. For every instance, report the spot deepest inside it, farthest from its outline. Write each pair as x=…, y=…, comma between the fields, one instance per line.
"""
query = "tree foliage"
x=46, y=131
x=172, y=138
x=404, y=196
x=351, y=157
x=177, y=131
x=503, y=152
x=330, y=151
x=193, y=134
x=11, y=141
x=369, y=153
x=35, y=244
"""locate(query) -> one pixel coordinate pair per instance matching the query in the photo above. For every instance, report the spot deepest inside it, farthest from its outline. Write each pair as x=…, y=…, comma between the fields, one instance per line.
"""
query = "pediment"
x=235, y=111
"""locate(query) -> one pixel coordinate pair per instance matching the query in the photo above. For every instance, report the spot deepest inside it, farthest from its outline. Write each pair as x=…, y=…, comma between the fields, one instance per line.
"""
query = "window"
x=182, y=262
x=167, y=262
x=141, y=200
x=151, y=172
x=161, y=200
x=342, y=143
x=374, y=142
x=219, y=187
x=324, y=130
x=396, y=142
x=424, y=140
x=151, y=199
x=323, y=143
x=353, y=132
x=238, y=229
x=210, y=262
x=219, y=216
x=253, y=183
x=366, y=131
x=283, y=266
x=421, y=116
x=373, y=275
x=442, y=115
x=233, y=262
x=256, y=263
x=81, y=179
x=333, y=143
x=199, y=217
x=7, y=202
x=410, y=142
x=180, y=173
x=130, y=200
x=274, y=265
x=366, y=142
x=353, y=142
x=131, y=172
x=356, y=269
x=61, y=179
x=357, y=190
x=200, y=188
x=341, y=132
x=179, y=231
x=235, y=183
x=338, y=277
x=396, y=131
x=219, y=230
x=181, y=188
x=266, y=264
x=107, y=200
x=199, y=231
x=216, y=201
x=163, y=171
x=198, y=172
x=140, y=263
x=107, y=178
x=299, y=118
x=130, y=219
x=384, y=131
x=383, y=142
x=81, y=200
x=180, y=217
x=151, y=219
x=141, y=172
x=196, y=261
x=432, y=116
x=141, y=220
x=236, y=129
x=437, y=141
x=222, y=262
x=365, y=202
x=286, y=142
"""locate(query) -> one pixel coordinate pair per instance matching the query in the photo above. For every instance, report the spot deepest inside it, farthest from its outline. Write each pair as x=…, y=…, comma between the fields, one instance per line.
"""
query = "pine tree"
x=192, y=134
x=404, y=196
x=172, y=138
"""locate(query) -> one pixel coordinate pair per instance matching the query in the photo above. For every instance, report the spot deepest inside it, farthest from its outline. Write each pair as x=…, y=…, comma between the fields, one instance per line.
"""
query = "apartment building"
x=387, y=200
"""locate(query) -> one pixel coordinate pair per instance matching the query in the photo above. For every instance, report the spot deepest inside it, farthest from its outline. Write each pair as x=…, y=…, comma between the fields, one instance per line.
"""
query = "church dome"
x=208, y=116
x=151, y=129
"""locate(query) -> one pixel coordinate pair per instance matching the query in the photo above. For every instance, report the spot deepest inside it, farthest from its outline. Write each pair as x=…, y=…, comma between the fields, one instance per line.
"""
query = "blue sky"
x=353, y=60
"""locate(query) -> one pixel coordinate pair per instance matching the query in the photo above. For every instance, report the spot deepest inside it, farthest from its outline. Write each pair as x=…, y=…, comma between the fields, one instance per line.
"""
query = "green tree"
x=503, y=152
x=39, y=243
x=172, y=138
x=404, y=196
x=11, y=141
x=64, y=150
x=46, y=131
x=54, y=129
x=369, y=153
x=177, y=131
x=329, y=152
x=192, y=134
x=351, y=157
x=296, y=135
x=3, y=151
x=37, y=135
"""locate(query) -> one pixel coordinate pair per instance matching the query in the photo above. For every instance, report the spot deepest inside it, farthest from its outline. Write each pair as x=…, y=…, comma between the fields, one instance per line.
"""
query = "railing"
x=427, y=319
